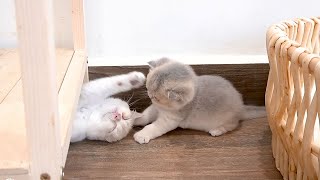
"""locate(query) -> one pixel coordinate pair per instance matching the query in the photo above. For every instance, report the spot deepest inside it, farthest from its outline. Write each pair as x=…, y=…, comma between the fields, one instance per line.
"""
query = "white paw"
x=137, y=79
x=217, y=132
x=141, y=138
x=125, y=113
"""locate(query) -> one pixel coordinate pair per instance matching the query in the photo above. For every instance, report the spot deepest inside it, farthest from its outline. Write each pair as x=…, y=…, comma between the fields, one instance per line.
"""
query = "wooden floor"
x=181, y=154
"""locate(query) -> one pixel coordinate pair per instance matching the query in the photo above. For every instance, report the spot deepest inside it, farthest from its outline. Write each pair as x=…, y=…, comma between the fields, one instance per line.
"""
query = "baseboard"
x=188, y=59
x=249, y=79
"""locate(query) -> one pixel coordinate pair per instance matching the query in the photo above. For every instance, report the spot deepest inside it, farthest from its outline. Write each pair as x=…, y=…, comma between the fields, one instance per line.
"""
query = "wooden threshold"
x=71, y=66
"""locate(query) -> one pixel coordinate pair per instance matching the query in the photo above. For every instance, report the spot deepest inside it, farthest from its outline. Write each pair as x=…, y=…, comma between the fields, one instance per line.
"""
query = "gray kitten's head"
x=170, y=84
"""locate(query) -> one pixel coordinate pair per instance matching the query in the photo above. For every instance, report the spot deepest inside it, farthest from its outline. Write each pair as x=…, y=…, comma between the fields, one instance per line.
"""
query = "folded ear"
x=159, y=62
x=135, y=115
x=152, y=64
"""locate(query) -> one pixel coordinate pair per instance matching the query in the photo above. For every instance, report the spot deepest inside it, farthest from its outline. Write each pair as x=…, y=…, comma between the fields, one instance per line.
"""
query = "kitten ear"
x=152, y=64
x=136, y=115
x=159, y=62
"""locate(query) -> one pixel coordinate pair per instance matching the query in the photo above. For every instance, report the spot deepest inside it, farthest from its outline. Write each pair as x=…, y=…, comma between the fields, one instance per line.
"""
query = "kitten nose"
x=117, y=116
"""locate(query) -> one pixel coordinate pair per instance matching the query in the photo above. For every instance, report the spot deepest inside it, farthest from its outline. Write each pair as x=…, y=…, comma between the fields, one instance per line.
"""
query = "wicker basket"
x=293, y=96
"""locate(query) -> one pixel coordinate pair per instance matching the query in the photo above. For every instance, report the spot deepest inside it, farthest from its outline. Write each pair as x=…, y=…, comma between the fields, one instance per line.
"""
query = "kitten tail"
x=252, y=112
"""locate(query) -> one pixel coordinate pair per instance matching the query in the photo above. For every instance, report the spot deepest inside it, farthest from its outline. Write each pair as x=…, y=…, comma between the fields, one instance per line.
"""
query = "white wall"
x=126, y=30
x=143, y=28
x=8, y=34
x=62, y=18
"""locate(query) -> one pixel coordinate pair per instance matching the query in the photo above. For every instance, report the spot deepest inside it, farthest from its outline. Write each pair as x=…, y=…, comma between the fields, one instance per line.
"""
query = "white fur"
x=94, y=118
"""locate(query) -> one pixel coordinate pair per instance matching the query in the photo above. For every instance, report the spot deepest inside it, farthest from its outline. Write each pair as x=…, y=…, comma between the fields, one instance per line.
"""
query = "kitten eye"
x=126, y=116
x=154, y=97
x=107, y=115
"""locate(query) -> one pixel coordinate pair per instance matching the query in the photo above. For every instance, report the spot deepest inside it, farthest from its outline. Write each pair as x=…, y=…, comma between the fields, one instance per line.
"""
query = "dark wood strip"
x=249, y=79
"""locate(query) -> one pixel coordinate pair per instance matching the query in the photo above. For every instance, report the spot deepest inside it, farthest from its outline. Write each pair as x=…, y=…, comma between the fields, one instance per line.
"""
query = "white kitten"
x=182, y=99
x=101, y=117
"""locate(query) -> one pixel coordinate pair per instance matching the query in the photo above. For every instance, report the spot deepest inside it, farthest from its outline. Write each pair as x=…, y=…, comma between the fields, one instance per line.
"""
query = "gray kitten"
x=182, y=99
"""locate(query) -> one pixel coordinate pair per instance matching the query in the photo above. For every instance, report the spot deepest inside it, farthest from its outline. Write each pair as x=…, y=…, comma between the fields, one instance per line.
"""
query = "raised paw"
x=217, y=132
x=141, y=138
x=125, y=113
x=137, y=79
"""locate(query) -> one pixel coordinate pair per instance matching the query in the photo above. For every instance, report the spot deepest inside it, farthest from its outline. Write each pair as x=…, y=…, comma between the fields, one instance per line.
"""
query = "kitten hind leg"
x=79, y=127
x=224, y=128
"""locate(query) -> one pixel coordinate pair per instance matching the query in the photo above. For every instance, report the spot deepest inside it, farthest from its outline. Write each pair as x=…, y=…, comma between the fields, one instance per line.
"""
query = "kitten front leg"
x=149, y=115
x=156, y=129
x=108, y=86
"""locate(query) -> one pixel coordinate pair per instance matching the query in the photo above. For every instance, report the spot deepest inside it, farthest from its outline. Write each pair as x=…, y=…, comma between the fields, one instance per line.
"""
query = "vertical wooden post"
x=78, y=30
x=86, y=75
x=38, y=69
x=78, y=25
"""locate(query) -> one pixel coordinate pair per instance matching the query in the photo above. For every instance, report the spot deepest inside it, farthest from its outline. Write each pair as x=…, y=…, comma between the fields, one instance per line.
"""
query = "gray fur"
x=154, y=64
x=182, y=99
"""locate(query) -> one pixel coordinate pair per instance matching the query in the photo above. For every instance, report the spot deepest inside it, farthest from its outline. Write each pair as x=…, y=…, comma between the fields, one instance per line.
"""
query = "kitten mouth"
x=114, y=127
x=114, y=122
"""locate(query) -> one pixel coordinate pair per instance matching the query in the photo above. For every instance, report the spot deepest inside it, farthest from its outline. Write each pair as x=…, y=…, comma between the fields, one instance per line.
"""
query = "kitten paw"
x=141, y=138
x=137, y=79
x=217, y=132
x=125, y=113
